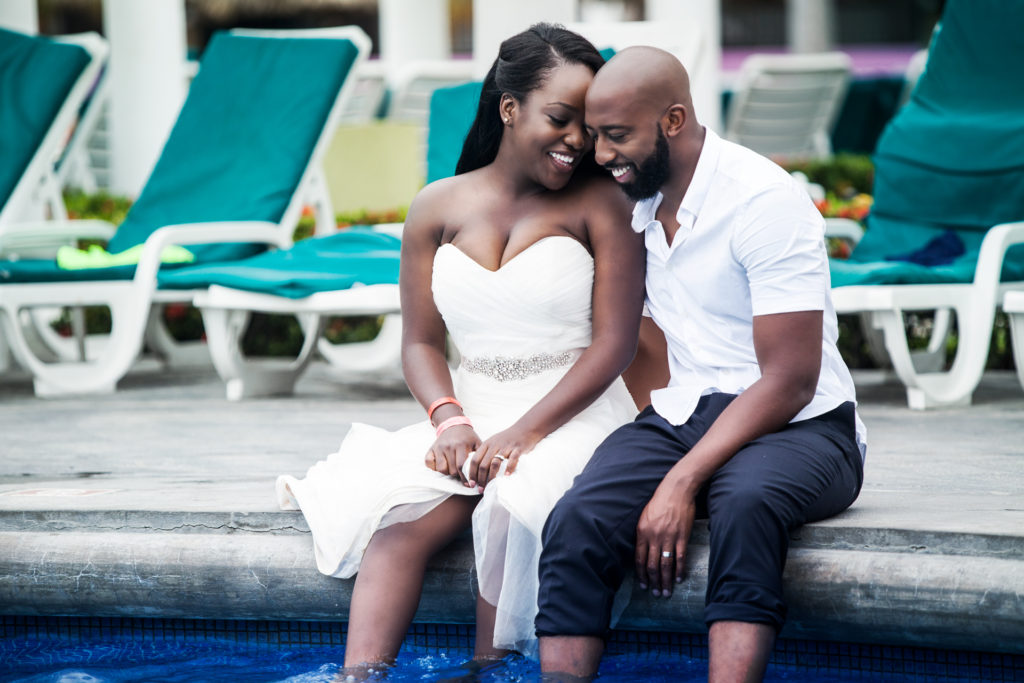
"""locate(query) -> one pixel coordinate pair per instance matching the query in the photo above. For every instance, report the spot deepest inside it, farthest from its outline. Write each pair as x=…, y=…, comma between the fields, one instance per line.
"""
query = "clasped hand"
x=661, y=537
x=451, y=450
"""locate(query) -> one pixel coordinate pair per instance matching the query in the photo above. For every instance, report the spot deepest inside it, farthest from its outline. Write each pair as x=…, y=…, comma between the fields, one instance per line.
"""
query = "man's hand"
x=661, y=537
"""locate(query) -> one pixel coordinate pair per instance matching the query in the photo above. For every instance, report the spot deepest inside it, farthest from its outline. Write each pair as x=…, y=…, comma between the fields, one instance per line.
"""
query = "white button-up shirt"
x=750, y=242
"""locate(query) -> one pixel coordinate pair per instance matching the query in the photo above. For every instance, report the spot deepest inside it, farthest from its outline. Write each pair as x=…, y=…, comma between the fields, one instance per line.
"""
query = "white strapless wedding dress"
x=518, y=330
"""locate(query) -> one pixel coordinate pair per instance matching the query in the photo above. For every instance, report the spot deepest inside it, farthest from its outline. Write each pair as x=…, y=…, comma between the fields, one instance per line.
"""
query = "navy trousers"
x=808, y=471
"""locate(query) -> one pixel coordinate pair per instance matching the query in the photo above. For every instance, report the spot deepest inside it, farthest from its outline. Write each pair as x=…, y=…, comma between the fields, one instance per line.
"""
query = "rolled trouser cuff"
x=769, y=611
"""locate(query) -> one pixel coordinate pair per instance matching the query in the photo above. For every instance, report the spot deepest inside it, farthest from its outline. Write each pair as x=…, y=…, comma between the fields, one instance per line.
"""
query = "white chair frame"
x=975, y=305
x=132, y=303
x=785, y=106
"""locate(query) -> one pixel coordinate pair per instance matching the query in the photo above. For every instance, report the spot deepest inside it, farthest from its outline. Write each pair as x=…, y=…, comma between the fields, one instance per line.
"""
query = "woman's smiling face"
x=546, y=128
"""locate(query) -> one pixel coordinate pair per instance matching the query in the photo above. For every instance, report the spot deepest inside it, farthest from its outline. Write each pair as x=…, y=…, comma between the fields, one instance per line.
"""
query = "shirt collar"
x=645, y=209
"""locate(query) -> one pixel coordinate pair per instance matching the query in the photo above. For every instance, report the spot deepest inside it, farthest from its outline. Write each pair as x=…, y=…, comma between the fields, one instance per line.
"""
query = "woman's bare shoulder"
x=603, y=204
x=432, y=207
x=438, y=193
x=603, y=192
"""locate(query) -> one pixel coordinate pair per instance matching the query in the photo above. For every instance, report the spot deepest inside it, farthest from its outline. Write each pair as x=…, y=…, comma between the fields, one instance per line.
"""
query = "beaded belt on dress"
x=507, y=369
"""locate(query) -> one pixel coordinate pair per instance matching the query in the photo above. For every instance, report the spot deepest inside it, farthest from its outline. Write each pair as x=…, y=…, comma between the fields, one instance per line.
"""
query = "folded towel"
x=939, y=251
x=96, y=256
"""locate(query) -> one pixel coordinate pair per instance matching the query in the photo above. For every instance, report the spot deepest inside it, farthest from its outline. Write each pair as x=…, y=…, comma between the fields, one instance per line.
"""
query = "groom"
x=756, y=430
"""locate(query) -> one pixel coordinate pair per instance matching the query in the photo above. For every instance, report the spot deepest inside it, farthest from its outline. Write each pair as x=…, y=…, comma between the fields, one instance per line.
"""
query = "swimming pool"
x=94, y=649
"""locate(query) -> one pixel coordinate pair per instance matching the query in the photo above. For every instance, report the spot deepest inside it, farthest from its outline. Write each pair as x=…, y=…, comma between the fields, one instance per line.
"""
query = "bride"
x=526, y=258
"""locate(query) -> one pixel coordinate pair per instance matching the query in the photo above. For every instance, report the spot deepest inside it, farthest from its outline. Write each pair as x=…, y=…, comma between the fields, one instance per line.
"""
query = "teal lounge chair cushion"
x=36, y=76
x=952, y=159
x=243, y=138
x=451, y=114
x=868, y=264
x=47, y=270
x=313, y=265
x=318, y=264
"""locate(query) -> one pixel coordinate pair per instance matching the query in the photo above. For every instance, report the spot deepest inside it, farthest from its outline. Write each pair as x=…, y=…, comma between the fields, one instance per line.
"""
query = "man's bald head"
x=640, y=115
x=645, y=76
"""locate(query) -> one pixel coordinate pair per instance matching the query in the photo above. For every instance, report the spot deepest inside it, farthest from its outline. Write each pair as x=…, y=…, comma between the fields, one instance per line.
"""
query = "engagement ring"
x=666, y=554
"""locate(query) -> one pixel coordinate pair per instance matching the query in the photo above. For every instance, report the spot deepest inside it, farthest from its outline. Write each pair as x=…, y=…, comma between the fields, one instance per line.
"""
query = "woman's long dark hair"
x=523, y=63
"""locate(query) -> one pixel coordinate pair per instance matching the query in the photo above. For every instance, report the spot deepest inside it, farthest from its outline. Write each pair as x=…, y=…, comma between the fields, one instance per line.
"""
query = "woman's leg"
x=486, y=614
x=390, y=580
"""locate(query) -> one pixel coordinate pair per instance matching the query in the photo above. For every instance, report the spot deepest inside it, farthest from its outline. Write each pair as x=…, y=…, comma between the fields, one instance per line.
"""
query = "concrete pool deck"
x=157, y=501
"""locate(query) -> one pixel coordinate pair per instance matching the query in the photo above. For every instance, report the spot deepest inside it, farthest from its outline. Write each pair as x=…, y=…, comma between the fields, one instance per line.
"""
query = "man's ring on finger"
x=666, y=554
x=499, y=457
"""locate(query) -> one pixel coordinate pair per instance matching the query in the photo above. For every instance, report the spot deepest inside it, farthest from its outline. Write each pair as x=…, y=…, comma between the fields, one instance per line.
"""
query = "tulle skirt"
x=378, y=478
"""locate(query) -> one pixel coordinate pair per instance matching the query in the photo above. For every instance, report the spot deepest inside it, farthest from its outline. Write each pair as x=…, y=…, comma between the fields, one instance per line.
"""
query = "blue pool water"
x=93, y=650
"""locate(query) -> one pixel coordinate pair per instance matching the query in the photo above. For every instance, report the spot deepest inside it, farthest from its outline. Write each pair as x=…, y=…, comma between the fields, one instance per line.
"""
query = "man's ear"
x=507, y=107
x=674, y=120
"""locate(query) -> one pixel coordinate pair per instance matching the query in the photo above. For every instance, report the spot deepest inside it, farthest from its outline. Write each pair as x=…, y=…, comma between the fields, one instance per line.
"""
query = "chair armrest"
x=993, y=250
x=1013, y=302
x=205, y=233
x=41, y=239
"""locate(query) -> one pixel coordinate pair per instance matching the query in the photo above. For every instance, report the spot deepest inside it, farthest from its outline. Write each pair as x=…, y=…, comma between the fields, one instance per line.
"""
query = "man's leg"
x=740, y=651
x=808, y=471
x=590, y=536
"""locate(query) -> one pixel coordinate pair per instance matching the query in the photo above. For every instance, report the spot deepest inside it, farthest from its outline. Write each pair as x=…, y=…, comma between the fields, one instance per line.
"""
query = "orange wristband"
x=440, y=402
x=453, y=422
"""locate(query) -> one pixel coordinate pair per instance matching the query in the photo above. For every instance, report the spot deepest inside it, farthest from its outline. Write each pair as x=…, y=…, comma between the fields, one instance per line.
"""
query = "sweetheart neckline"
x=511, y=260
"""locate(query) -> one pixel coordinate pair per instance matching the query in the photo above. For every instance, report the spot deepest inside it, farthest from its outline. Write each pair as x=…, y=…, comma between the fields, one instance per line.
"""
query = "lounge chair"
x=368, y=93
x=417, y=81
x=351, y=273
x=414, y=85
x=949, y=203
x=227, y=304
x=43, y=85
x=241, y=161
x=785, y=106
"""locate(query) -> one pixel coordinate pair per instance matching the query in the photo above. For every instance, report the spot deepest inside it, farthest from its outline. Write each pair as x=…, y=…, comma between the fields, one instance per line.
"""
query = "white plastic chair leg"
x=171, y=352
x=875, y=341
x=945, y=388
x=1016, y=318
x=251, y=377
x=49, y=346
x=5, y=354
x=98, y=376
x=381, y=356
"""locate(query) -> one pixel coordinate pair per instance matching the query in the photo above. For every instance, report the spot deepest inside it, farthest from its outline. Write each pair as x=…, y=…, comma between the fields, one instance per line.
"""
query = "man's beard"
x=651, y=173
